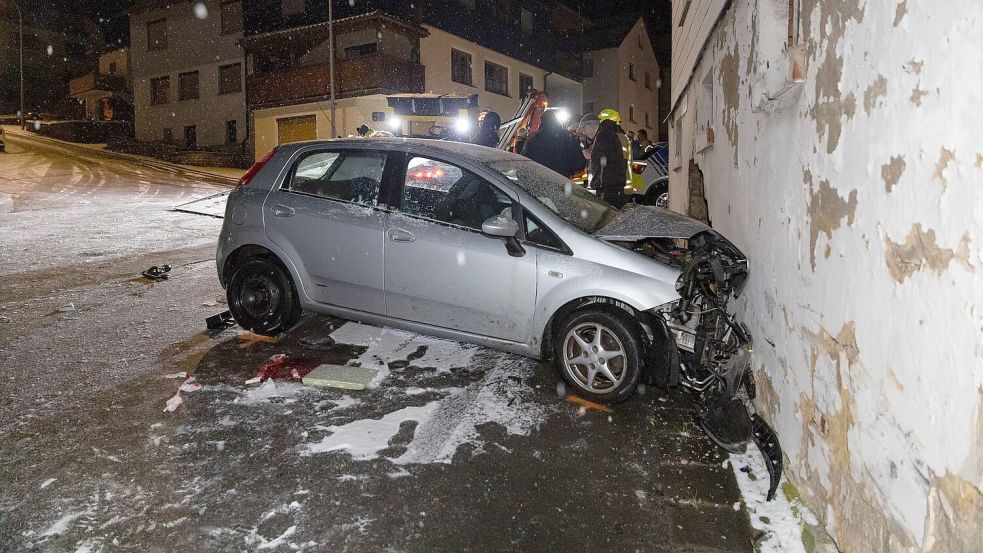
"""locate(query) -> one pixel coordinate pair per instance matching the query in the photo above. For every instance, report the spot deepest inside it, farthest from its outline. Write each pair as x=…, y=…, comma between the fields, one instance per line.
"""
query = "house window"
x=648, y=80
x=631, y=113
x=187, y=86
x=631, y=71
x=496, y=78
x=230, y=78
x=160, y=90
x=461, y=67
x=361, y=50
x=525, y=84
x=168, y=135
x=647, y=125
x=292, y=7
x=640, y=47
x=527, y=21
x=112, y=68
x=157, y=34
x=231, y=17
x=588, y=67
x=231, y=131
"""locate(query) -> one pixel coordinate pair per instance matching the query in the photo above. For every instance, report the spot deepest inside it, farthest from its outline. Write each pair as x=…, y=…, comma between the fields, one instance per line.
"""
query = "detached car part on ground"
x=480, y=245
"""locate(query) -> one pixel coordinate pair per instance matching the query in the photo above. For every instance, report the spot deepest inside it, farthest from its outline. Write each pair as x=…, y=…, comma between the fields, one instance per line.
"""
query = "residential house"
x=105, y=90
x=497, y=50
x=188, y=72
x=837, y=144
x=621, y=71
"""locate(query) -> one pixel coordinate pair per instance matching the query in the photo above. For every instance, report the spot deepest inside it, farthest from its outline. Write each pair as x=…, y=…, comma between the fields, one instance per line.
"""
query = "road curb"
x=164, y=166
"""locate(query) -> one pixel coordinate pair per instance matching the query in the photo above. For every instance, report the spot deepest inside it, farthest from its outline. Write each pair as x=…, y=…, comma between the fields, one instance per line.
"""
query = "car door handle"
x=280, y=210
x=400, y=235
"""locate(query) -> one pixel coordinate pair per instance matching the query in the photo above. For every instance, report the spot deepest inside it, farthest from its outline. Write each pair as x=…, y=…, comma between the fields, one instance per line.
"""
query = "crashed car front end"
x=705, y=348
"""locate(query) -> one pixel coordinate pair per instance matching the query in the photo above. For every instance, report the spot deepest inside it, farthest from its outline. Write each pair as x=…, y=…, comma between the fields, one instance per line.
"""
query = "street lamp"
x=20, y=22
x=334, y=130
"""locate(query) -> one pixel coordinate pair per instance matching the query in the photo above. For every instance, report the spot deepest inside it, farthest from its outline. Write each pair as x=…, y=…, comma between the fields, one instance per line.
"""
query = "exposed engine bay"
x=708, y=350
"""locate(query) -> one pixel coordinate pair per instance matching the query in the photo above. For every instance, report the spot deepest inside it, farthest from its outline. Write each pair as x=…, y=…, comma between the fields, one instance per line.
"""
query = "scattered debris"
x=248, y=339
x=317, y=342
x=158, y=273
x=181, y=374
x=340, y=376
x=173, y=403
x=48, y=482
x=585, y=404
x=67, y=307
x=221, y=321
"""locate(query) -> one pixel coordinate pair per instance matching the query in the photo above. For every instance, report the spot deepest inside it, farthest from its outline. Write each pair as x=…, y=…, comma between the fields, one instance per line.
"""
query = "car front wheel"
x=262, y=297
x=599, y=354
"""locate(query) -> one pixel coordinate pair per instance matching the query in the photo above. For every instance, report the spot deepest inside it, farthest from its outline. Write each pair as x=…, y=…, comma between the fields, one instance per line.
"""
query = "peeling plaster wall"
x=860, y=206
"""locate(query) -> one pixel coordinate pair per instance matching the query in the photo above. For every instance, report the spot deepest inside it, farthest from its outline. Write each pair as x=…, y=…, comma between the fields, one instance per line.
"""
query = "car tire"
x=615, y=359
x=657, y=195
x=262, y=297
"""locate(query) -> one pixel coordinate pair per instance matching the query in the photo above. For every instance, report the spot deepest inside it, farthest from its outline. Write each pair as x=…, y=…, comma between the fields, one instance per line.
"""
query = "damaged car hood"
x=644, y=221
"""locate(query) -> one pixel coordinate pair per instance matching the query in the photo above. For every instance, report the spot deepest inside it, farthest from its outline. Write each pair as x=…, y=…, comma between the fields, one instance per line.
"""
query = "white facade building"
x=188, y=73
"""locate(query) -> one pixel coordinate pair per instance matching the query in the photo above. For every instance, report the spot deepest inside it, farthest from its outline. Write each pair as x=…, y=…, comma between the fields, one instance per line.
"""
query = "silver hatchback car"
x=467, y=243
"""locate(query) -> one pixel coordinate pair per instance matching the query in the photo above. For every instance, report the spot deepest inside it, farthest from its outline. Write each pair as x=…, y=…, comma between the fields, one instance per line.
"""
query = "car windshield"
x=567, y=199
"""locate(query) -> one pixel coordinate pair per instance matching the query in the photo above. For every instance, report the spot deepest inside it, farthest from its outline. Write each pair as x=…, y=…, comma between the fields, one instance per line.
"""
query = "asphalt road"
x=454, y=448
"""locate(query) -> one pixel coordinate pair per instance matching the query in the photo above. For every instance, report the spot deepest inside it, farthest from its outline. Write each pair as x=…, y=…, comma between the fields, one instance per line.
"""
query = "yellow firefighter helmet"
x=610, y=114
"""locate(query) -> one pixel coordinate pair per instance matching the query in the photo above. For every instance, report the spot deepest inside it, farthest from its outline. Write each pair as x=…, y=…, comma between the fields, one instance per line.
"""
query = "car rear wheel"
x=599, y=354
x=262, y=297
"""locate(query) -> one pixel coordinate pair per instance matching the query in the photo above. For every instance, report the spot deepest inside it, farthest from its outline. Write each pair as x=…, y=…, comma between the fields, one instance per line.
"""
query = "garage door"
x=293, y=129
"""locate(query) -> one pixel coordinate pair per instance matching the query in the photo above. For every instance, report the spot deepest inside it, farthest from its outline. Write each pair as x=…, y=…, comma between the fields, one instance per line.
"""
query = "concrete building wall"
x=637, y=50
x=611, y=85
x=351, y=113
x=692, y=21
x=435, y=55
x=118, y=57
x=602, y=88
x=856, y=196
x=194, y=44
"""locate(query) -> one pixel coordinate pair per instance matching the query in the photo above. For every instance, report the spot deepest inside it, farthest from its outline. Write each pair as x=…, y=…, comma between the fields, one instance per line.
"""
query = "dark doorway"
x=190, y=137
x=231, y=132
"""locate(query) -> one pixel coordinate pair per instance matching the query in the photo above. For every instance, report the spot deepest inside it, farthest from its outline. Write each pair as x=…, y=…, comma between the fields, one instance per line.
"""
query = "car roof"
x=471, y=152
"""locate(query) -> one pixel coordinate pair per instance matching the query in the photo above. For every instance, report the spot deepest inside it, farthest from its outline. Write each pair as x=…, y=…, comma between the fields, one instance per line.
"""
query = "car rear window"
x=346, y=176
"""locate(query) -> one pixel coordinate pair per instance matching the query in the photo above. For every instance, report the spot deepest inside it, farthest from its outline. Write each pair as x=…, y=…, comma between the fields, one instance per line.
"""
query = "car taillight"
x=248, y=175
x=638, y=167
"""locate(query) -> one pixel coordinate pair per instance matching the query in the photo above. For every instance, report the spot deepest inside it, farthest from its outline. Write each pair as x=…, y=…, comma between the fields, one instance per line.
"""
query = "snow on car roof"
x=472, y=152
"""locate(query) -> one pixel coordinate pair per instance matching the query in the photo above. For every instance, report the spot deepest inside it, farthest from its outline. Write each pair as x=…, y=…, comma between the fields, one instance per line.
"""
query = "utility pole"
x=334, y=128
x=20, y=23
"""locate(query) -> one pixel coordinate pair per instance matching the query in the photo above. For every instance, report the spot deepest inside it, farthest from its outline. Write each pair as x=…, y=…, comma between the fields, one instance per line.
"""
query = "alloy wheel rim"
x=594, y=358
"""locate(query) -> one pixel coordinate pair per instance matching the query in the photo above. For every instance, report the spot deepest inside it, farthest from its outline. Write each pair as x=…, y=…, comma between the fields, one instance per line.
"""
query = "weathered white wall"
x=860, y=207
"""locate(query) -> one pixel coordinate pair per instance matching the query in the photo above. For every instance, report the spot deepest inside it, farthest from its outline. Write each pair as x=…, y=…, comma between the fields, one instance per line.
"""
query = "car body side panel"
x=340, y=243
x=459, y=279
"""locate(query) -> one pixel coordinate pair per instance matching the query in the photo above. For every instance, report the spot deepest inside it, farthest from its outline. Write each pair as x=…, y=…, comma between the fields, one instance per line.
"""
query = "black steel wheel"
x=262, y=297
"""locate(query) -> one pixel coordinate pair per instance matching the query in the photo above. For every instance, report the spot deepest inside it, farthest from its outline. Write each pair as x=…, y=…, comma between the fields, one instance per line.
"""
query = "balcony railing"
x=96, y=82
x=363, y=75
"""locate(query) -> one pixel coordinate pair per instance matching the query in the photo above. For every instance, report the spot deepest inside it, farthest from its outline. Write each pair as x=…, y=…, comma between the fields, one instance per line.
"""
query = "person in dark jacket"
x=554, y=147
x=487, y=133
x=608, y=167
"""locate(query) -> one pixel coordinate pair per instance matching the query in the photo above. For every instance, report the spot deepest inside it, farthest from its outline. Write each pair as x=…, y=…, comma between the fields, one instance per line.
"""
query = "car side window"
x=347, y=176
x=446, y=193
x=537, y=234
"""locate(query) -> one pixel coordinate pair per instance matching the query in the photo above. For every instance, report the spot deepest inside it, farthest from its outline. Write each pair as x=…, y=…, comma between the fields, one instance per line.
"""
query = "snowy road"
x=454, y=448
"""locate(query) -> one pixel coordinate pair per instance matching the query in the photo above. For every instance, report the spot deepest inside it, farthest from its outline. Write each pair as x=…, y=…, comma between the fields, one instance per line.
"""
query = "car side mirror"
x=499, y=226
